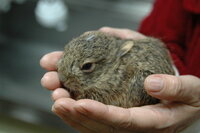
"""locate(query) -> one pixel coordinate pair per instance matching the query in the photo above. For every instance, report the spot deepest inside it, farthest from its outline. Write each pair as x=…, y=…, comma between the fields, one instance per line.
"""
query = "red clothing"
x=177, y=23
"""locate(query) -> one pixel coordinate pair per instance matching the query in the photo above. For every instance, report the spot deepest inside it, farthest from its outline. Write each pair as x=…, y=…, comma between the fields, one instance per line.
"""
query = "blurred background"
x=31, y=28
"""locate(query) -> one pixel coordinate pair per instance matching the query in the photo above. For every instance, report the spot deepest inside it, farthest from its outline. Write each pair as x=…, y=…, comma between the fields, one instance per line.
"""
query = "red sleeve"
x=167, y=22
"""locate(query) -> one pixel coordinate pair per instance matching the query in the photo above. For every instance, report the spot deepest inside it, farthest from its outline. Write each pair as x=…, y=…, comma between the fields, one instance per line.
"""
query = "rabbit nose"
x=72, y=83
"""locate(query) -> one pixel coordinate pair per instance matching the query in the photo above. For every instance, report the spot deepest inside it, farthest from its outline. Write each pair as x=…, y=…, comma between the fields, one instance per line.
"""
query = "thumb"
x=184, y=89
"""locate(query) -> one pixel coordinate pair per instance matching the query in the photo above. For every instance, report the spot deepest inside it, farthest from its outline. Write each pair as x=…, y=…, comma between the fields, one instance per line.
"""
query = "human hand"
x=122, y=33
x=181, y=108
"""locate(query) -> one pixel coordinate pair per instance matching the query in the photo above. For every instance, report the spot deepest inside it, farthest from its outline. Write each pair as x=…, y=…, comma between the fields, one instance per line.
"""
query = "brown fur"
x=120, y=68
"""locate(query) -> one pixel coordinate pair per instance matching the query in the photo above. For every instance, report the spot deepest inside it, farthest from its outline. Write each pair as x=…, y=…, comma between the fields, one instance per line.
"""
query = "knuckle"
x=58, y=103
x=177, y=86
x=173, y=86
x=124, y=125
x=126, y=121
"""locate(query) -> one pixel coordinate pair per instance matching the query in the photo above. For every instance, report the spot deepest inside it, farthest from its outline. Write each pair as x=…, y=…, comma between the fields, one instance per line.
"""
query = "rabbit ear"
x=125, y=48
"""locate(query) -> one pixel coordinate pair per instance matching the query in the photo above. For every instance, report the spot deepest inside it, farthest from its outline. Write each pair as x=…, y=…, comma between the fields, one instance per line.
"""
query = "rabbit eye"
x=88, y=67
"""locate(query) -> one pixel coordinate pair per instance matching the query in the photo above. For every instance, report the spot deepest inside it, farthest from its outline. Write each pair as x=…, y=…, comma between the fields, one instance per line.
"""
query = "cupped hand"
x=180, y=109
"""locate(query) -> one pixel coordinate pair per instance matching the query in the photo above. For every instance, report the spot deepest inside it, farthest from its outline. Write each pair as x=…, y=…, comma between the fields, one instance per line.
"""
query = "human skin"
x=180, y=105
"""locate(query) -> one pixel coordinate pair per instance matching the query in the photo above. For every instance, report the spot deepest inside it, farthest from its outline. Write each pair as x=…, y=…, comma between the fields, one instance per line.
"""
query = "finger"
x=138, y=119
x=122, y=33
x=60, y=93
x=184, y=89
x=97, y=124
x=67, y=107
x=50, y=80
x=49, y=60
x=60, y=111
x=114, y=117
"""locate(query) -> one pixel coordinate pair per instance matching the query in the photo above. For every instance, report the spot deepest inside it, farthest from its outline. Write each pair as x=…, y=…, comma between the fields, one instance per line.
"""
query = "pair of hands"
x=179, y=108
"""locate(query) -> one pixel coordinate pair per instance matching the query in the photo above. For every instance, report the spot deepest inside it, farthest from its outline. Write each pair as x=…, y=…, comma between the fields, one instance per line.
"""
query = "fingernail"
x=44, y=80
x=154, y=83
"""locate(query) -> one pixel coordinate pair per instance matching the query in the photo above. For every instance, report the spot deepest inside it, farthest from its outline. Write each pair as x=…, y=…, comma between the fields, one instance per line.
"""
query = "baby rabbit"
x=101, y=67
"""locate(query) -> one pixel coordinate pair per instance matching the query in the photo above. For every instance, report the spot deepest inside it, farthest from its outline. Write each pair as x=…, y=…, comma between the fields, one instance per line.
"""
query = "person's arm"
x=168, y=21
